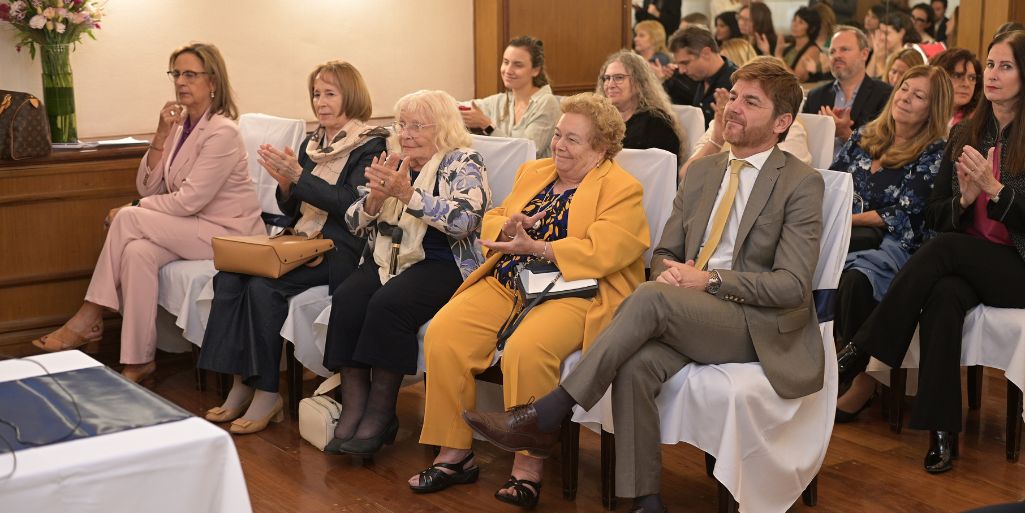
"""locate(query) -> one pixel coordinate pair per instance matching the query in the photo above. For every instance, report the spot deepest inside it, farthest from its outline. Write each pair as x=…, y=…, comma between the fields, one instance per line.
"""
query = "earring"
x=211, y=94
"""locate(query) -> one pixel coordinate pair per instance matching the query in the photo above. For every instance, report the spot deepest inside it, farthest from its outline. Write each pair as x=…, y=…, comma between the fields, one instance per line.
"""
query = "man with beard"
x=854, y=98
x=732, y=280
x=697, y=59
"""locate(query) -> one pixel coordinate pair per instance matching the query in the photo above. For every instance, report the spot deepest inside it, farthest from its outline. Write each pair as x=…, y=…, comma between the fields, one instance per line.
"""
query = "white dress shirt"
x=722, y=258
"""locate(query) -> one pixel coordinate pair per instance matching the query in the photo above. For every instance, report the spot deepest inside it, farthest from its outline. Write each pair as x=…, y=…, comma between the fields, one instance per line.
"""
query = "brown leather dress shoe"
x=514, y=430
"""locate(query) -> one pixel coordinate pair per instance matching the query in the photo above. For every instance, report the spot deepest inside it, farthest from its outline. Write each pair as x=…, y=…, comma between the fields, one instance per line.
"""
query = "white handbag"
x=319, y=414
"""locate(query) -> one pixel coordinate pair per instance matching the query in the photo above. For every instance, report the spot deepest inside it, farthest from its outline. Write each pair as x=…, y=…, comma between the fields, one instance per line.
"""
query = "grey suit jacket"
x=774, y=259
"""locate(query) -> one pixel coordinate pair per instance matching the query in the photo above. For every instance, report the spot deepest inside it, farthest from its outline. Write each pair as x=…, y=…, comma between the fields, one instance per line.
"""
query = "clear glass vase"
x=59, y=92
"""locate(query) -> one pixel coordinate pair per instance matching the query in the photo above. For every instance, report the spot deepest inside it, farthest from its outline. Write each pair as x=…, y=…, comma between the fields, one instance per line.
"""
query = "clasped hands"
x=387, y=177
x=842, y=119
x=282, y=165
x=975, y=175
x=513, y=238
x=684, y=275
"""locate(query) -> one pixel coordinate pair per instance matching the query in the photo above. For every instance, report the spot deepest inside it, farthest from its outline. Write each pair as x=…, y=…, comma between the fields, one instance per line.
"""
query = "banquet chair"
x=991, y=337
x=309, y=311
x=762, y=449
x=692, y=120
x=821, y=138
x=183, y=281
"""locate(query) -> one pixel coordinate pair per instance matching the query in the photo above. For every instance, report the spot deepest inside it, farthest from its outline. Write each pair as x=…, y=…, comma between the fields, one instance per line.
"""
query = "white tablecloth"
x=184, y=466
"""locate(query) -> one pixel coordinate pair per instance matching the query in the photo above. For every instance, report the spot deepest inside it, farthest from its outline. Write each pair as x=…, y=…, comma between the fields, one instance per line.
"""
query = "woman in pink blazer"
x=195, y=185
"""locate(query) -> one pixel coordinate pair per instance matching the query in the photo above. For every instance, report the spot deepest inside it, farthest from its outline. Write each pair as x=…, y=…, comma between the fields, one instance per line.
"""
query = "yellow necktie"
x=721, y=214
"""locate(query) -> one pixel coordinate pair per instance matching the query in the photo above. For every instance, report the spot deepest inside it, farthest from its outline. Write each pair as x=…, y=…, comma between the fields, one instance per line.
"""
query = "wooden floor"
x=867, y=469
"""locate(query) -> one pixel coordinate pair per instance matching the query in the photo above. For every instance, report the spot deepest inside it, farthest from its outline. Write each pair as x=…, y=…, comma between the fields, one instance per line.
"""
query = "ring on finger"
x=381, y=183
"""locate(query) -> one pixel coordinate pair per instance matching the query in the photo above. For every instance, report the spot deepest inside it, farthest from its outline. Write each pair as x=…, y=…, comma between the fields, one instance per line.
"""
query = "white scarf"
x=331, y=160
x=411, y=249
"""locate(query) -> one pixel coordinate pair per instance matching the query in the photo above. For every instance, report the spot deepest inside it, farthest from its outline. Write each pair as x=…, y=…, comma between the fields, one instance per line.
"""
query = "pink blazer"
x=209, y=179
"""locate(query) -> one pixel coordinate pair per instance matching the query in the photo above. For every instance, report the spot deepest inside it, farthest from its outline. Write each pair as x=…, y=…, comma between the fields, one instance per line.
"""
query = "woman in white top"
x=527, y=109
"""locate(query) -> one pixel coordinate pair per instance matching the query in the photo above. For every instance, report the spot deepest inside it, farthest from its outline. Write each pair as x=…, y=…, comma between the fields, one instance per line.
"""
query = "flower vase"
x=59, y=92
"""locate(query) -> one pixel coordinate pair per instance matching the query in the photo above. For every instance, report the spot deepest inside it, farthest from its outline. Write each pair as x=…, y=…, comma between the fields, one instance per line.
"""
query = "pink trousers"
x=139, y=242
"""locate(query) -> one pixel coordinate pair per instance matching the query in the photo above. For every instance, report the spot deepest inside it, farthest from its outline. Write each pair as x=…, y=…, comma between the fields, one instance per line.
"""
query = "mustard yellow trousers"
x=460, y=344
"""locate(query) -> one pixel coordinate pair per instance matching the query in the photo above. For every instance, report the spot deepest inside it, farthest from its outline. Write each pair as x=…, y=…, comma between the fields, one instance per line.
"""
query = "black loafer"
x=434, y=479
x=850, y=362
x=942, y=452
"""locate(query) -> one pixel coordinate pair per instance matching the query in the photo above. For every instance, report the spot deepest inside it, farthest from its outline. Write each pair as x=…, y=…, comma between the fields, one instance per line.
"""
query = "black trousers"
x=243, y=334
x=375, y=326
x=949, y=275
x=855, y=301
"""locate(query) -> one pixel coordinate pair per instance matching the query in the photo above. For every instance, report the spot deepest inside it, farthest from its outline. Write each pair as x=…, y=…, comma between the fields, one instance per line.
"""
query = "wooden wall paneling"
x=578, y=36
x=52, y=214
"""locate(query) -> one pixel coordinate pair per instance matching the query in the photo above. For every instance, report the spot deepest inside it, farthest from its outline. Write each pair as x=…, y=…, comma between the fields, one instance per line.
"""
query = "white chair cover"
x=185, y=287
x=656, y=170
x=991, y=337
x=821, y=138
x=309, y=312
x=692, y=120
x=260, y=129
x=767, y=449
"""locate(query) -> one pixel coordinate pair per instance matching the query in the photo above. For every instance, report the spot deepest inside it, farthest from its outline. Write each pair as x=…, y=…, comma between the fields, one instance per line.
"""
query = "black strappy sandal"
x=434, y=479
x=526, y=496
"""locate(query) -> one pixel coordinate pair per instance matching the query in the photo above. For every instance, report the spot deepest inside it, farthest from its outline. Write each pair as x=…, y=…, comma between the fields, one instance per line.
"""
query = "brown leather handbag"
x=269, y=256
x=24, y=130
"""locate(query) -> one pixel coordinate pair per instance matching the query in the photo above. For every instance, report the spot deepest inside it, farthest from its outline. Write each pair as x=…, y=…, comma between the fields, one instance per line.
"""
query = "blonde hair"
x=908, y=56
x=651, y=97
x=738, y=50
x=607, y=126
x=223, y=101
x=441, y=109
x=356, y=102
x=657, y=33
x=878, y=135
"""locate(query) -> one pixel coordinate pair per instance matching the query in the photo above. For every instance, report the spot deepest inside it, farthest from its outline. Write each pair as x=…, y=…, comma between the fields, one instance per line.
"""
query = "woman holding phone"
x=195, y=185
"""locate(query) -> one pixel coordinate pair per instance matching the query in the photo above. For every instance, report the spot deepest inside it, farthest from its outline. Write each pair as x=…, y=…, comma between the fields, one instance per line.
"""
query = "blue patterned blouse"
x=898, y=195
x=553, y=226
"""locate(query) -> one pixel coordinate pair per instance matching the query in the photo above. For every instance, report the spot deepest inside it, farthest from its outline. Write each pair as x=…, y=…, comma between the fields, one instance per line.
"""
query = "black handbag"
x=24, y=130
x=537, y=282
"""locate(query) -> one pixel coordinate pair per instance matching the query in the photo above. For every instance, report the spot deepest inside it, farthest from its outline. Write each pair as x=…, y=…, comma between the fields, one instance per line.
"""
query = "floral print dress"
x=552, y=226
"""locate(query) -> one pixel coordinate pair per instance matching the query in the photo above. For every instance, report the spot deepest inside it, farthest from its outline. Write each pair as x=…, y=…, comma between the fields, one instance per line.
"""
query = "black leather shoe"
x=369, y=446
x=844, y=417
x=942, y=452
x=850, y=362
x=434, y=479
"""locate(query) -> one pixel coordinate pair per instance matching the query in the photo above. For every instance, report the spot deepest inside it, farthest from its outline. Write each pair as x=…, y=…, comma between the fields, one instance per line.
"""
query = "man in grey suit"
x=732, y=283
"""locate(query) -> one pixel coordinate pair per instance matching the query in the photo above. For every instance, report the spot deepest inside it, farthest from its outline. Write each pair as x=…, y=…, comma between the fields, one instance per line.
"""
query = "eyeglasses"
x=190, y=76
x=615, y=79
x=412, y=128
x=972, y=78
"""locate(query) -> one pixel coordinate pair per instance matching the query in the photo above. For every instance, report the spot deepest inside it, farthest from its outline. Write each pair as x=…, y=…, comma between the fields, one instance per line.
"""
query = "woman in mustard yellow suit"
x=578, y=210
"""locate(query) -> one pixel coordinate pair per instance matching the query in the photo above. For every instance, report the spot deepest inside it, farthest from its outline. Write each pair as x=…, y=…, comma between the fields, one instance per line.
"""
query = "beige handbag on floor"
x=270, y=256
x=319, y=414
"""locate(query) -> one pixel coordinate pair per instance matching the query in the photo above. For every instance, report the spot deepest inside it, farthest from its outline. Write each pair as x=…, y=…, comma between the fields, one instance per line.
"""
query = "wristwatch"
x=488, y=130
x=714, y=282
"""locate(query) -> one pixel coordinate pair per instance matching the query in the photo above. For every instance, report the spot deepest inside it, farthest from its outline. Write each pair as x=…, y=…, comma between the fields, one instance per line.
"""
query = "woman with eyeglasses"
x=421, y=213
x=527, y=108
x=195, y=185
x=577, y=212
x=978, y=205
x=315, y=188
x=629, y=82
x=964, y=68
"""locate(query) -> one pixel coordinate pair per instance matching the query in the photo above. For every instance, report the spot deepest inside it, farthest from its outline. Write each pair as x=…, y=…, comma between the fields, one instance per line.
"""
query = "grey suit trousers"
x=656, y=331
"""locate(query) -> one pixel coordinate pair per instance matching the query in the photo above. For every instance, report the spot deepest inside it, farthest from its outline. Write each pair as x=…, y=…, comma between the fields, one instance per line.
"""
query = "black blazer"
x=868, y=102
x=335, y=200
x=647, y=130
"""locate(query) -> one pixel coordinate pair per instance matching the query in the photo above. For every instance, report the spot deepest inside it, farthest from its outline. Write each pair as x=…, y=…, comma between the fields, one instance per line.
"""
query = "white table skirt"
x=188, y=465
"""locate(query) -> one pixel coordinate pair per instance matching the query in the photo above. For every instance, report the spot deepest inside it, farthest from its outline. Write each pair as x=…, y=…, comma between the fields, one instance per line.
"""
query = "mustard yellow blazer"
x=606, y=236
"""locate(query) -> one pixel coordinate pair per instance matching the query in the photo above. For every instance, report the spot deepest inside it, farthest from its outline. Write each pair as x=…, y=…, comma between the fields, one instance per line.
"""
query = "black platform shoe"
x=850, y=362
x=942, y=452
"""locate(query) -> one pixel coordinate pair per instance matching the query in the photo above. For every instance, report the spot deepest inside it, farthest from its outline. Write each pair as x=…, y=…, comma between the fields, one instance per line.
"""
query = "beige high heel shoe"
x=64, y=338
x=246, y=427
x=221, y=414
x=139, y=372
